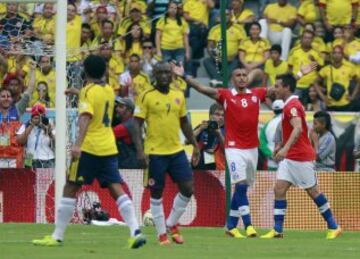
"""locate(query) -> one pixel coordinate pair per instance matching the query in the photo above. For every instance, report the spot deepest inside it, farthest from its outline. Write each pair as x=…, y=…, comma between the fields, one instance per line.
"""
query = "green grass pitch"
x=200, y=243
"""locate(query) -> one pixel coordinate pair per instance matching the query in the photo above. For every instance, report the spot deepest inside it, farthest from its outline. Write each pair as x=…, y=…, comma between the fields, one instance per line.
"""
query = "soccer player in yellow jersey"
x=94, y=156
x=163, y=109
x=338, y=75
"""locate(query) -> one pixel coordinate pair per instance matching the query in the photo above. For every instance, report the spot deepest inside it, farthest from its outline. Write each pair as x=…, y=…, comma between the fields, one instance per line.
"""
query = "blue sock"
x=279, y=214
x=325, y=210
x=234, y=213
x=244, y=209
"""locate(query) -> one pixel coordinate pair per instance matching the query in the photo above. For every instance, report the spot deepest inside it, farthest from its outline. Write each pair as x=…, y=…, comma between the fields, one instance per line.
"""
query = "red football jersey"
x=241, y=116
x=302, y=150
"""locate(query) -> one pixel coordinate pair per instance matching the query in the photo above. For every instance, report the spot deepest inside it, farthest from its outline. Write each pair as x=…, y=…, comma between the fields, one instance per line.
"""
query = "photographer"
x=123, y=131
x=38, y=137
x=210, y=138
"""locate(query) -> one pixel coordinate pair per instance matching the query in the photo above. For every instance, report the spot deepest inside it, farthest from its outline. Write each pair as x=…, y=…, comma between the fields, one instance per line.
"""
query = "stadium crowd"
x=133, y=35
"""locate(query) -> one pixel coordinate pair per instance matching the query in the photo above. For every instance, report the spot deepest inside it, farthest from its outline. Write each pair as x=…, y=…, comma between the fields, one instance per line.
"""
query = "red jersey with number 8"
x=241, y=116
x=302, y=150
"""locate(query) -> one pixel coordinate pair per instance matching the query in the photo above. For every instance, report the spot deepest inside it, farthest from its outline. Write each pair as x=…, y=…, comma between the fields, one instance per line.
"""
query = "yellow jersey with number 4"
x=98, y=101
x=162, y=113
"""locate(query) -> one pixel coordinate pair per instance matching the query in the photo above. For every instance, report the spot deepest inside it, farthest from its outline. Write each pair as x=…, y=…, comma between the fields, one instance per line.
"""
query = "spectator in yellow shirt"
x=114, y=66
x=279, y=20
x=87, y=37
x=308, y=12
x=253, y=53
x=107, y=37
x=337, y=12
x=274, y=66
x=132, y=43
x=337, y=78
x=135, y=16
x=172, y=36
x=101, y=15
x=240, y=15
x=45, y=24
x=304, y=55
x=338, y=35
x=234, y=35
x=42, y=95
x=196, y=13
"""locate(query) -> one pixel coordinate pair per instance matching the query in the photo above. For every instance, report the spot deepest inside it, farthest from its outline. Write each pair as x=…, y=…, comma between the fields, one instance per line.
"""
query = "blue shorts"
x=176, y=165
x=88, y=167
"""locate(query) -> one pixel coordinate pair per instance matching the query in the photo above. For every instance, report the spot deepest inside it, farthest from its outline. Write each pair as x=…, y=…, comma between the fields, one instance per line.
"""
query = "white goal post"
x=60, y=108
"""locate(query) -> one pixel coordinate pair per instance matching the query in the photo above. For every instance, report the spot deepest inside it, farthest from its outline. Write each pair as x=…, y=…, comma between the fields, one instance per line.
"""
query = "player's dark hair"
x=288, y=80
x=215, y=107
x=277, y=48
x=95, y=66
x=324, y=117
x=129, y=38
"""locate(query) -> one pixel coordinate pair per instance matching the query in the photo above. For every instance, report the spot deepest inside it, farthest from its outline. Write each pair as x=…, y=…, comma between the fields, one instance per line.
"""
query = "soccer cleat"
x=47, y=241
x=235, y=233
x=175, y=235
x=136, y=241
x=251, y=232
x=333, y=233
x=272, y=234
x=163, y=240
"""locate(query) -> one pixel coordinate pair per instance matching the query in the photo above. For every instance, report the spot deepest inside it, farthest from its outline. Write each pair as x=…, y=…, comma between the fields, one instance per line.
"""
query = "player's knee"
x=280, y=193
x=156, y=193
x=187, y=192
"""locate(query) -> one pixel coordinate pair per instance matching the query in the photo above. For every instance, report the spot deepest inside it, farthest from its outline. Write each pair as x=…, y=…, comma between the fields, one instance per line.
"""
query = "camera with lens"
x=212, y=126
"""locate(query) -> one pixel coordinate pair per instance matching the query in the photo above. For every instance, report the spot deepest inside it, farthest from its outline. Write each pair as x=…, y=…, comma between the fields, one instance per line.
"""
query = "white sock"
x=64, y=215
x=179, y=207
x=127, y=211
x=157, y=212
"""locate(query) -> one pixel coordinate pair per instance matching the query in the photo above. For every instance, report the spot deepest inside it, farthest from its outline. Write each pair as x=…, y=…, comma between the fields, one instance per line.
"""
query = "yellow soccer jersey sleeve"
x=141, y=83
x=338, y=12
x=273, y=71
x=341, y=75
x=284, y=14
x=162, y=113
x=98, y=101
x=172, y=34
x=178, y=84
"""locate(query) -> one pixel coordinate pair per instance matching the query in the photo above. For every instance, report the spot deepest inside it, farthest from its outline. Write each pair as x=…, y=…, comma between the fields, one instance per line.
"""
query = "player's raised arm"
x=206, y=90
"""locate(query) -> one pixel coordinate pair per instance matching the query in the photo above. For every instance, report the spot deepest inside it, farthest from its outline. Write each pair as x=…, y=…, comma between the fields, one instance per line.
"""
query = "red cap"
x=38, y=109
x=101, y=8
